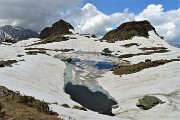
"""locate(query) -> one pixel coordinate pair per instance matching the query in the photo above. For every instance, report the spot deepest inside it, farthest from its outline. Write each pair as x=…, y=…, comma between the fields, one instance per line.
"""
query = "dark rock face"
x=128, y=30
x=60, y=27
x=18, y=33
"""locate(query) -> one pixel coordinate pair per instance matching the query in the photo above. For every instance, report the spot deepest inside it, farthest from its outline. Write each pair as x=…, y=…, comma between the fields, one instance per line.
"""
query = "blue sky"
x=135, y=6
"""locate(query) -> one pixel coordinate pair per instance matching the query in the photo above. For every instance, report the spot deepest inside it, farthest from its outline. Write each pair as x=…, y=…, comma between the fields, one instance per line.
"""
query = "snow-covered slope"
x=42, y=76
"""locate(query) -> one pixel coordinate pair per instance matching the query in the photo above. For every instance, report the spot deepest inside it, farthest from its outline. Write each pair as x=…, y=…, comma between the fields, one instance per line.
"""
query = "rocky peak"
x=60, y=27
x=130, y=29
x=63, y=24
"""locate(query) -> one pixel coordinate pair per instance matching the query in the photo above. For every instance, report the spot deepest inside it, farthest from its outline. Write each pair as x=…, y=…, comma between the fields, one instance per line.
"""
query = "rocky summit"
x=60, y=27
x=128, y=30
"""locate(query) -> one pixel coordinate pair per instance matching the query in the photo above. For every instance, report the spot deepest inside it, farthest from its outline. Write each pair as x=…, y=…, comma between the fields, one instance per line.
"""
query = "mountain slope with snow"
x=4, y=35
x=43, y=75
x=16, y=33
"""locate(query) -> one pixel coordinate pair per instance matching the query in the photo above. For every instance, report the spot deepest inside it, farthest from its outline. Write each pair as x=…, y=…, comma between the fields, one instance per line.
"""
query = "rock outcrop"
x=60, y=27
x=128, y=30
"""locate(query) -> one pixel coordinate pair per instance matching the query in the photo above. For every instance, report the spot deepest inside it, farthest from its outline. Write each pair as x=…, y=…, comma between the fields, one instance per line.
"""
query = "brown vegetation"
x=153, y=48
x=145, y=53
x=51, y=39
x=36, y=52
x=13, y=105
x=7, y=63
x=120, y=70
x=44, y=49
x=131, y=44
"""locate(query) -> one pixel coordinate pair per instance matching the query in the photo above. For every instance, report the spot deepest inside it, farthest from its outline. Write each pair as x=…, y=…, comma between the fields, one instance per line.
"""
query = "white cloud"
x=166, y=23
x=91, y=20
x=34, y=14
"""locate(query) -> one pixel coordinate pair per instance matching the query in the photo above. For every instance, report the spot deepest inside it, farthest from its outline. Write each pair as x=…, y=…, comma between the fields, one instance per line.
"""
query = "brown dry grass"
x=129, y=69
x=145, y=53
x=13, y=107
x=7, y=63
x=45, y=49
x=51, y=39
x=131, y=44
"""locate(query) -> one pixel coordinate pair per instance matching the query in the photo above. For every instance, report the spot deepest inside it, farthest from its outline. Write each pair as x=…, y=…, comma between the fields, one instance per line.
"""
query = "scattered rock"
x=106, y=52
x=66, y=59
x=148, y=102
x=80, y=107
x=65, y=105
x=93, y=36
x=20, y=55
x=115, y=106
x=147, y=60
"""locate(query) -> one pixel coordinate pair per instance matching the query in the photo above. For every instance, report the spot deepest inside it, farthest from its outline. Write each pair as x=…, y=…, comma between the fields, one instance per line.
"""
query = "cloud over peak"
x=37, y=14
x=33, y=14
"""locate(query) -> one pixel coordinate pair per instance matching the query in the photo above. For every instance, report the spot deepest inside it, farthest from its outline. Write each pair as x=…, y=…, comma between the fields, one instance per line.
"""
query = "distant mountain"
x=16, y=33
x=130, y=29
x=58, y=28
x=4, y=36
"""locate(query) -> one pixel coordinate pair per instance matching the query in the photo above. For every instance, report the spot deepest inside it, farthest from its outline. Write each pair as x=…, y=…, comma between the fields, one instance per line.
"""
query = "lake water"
x=80, y=82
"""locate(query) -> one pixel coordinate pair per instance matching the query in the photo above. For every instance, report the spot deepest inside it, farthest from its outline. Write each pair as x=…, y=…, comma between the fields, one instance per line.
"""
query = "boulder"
x=148, y=102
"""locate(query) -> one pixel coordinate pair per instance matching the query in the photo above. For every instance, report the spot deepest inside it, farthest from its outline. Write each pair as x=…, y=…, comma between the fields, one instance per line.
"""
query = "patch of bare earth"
x=148, y=51
x=129, y=69
x=7, y=63
x=44, y=49
x=51, y=39
x=131, y=44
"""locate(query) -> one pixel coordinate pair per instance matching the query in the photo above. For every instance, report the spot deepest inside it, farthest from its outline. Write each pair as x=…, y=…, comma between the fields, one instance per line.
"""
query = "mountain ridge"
x=16, y=33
